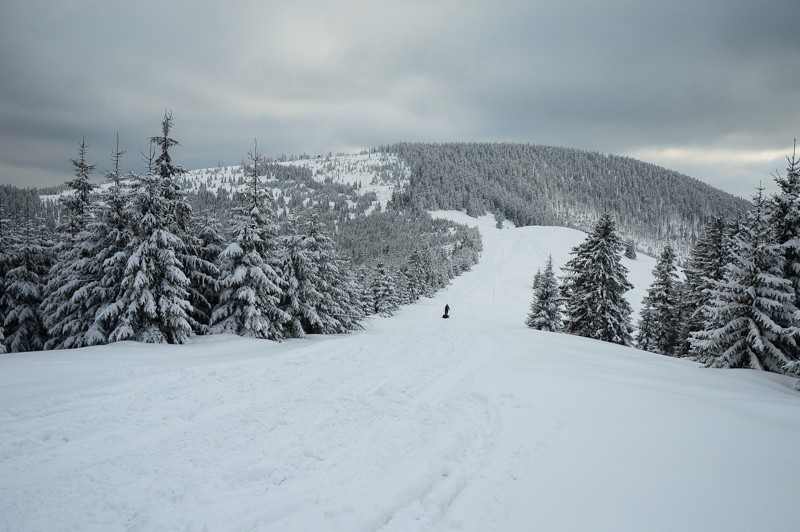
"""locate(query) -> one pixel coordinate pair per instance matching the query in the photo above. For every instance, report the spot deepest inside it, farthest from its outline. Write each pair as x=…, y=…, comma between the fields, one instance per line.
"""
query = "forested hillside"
x=264, y=250
x=545, y=185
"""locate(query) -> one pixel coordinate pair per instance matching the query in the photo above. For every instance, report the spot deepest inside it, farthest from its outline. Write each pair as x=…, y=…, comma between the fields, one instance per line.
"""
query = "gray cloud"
x=672, y=81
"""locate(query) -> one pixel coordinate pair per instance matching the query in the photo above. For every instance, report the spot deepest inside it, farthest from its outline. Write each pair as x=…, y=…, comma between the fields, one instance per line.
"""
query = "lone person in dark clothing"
x=446, y=311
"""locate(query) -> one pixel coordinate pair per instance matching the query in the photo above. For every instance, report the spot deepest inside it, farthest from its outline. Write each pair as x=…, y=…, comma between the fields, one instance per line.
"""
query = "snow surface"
x=474, y=423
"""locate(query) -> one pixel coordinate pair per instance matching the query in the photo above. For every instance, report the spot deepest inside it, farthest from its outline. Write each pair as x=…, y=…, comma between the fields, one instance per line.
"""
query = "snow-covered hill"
x=473, y=423
x=381, y=173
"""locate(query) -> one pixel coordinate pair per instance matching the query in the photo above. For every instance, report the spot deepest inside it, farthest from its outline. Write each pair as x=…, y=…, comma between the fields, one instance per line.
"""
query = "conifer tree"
x=250, y=276
x=63, y=312
x=408, y=286
x=111, y=234
x=440, y=268
x=706, y=266
x=470, y=247
x=154, y=286
x=78, y=201
x=298, y=296
x=545, y=311
x=663, y=313
x=537, y=280
x=353, y=304
x=384, y=291
x=337, y=310
x=594, y=287
x=5, y=265
x=752, y=312
x=630, y=249
x=162, y=164
x=204, y=243
x=420, y=270
x=199, y=267
x=317, y=293
x=646, y=336
x=785, y=218
x=24, y=285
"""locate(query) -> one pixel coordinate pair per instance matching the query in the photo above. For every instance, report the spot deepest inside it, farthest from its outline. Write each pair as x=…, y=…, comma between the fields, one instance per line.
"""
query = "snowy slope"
x=381, y=173
x=473, y=423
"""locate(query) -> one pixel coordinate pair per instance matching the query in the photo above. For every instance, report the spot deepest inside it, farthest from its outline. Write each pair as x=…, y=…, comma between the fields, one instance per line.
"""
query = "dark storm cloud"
x=704, y=87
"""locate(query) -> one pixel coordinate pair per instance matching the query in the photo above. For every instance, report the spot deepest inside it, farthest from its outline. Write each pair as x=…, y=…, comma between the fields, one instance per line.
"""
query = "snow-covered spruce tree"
x=63, y=311
x=338, y=309
x=752, y=312
x=154, y=293
x=78, y=200
x=733, y=228
x=785, y=218
x=365, y=301
x=630, y=249
x=353, y=305
x=110, y=234
x=646, y=337
x=204, y=243
x=466, y=251
x=250, y=277
x=706, y=266
x=317, y=294
x=594, y=286
x=545, y=311
x=24, y=285
x=663, y=313
x=407, y=286
x=384, y=292
x=441, y=269
x=197, y=267
x=298, y=297
x=417, y=274
x=470, y=246
x=5, y=265
x=163, y=165
x=537, y=280
x=421, y=266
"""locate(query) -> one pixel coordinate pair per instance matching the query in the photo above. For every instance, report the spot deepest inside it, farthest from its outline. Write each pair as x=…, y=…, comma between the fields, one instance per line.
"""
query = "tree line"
x=736, y=306
x=142, y=259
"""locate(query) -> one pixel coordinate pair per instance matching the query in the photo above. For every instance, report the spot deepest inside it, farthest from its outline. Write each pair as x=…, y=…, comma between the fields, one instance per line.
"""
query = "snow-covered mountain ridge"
x=529, y=184
x=416, y=423
x=552, y=185
x=378, y=173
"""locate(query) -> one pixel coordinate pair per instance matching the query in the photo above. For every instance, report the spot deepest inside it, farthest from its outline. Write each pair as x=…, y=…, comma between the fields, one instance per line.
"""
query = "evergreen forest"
x=545, y=185
x=149, y=257
x=736, y=304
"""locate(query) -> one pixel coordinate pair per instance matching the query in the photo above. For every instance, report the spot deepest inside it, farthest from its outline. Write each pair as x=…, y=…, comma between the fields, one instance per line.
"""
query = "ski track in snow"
x=264, y=431
x=418, y=423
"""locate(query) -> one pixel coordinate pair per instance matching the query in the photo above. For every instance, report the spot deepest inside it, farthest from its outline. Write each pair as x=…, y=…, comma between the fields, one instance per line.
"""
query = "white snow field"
x=474, y=423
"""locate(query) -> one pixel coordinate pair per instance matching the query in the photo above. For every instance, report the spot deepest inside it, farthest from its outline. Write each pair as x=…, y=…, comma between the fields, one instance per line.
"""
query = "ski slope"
x=474, y=423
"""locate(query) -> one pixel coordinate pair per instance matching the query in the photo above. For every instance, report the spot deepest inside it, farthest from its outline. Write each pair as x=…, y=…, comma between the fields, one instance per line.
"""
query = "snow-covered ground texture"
x=473, y=423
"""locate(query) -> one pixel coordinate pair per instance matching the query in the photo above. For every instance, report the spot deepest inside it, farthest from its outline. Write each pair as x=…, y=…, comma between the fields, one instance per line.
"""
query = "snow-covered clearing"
x=473, y=423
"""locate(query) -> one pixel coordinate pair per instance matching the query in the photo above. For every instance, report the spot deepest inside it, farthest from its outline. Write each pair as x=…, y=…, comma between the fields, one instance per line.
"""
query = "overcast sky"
x=707, y=88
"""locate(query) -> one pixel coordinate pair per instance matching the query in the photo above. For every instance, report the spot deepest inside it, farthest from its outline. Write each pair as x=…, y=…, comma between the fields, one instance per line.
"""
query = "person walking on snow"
x=446, y=311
